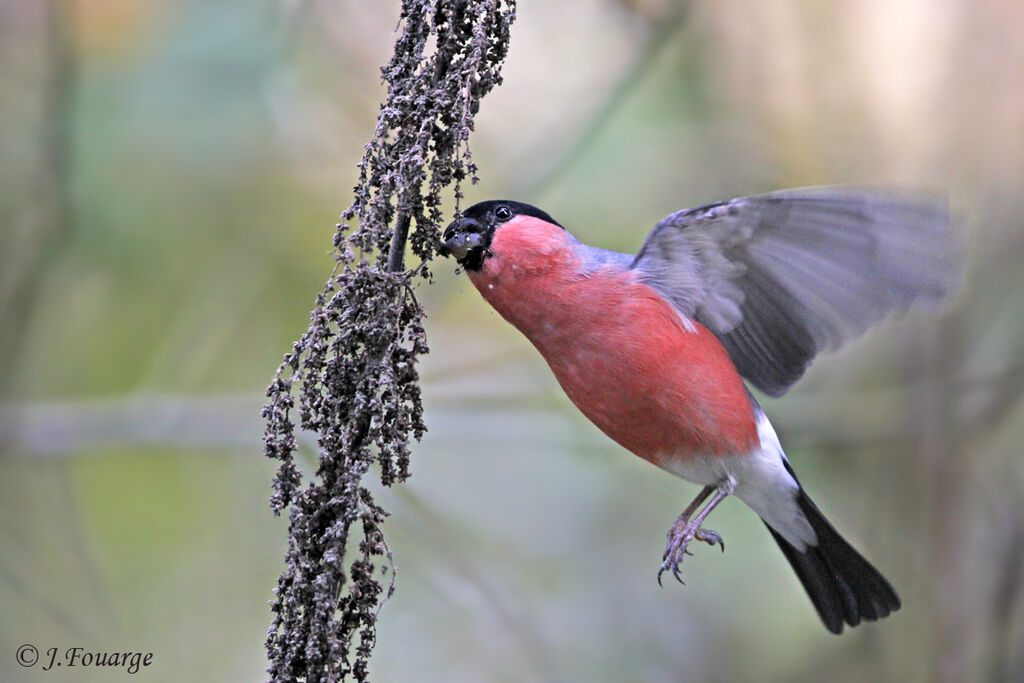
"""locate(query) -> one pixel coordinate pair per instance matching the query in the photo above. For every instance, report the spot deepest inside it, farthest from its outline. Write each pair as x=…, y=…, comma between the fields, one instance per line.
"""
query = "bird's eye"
x=503, y=213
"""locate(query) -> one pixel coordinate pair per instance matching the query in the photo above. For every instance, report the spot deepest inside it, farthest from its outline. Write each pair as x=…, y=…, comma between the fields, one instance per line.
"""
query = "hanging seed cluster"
x=351, y=378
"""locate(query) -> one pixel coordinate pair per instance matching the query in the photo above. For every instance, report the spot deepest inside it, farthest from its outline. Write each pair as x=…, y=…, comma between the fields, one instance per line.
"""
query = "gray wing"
x=782, y=276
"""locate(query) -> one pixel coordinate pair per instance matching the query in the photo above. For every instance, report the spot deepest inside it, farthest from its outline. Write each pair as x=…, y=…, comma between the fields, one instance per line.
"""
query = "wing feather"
x=783, y=276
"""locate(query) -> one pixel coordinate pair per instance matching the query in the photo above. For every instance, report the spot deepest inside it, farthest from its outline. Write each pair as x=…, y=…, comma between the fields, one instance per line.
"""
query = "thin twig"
x=48, y=212
x=396, y=256
x=661, y=32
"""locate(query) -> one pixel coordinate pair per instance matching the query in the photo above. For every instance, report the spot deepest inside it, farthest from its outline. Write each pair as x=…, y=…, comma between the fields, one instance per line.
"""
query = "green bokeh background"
x=170, y=173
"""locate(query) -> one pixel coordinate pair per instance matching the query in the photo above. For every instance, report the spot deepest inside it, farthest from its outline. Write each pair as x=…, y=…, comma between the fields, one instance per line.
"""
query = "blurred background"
x=170, y=174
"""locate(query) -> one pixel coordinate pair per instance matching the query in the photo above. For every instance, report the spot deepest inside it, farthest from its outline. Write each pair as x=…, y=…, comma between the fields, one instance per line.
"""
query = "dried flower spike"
x=352, y=375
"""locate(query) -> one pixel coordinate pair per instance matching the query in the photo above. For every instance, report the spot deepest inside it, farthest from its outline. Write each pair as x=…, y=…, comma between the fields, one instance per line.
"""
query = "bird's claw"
x=676, y=548
x=710, y=537
x=675, y=572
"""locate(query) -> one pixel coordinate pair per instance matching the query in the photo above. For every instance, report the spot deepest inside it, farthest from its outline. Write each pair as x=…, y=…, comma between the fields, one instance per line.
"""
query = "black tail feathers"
x=843, y=586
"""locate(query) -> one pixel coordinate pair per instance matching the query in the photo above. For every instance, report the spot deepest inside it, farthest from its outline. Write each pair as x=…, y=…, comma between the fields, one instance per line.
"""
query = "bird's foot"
x=679, y=536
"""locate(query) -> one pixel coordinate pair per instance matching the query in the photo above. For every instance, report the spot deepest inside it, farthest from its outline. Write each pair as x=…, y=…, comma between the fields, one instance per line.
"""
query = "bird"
x=657, y=348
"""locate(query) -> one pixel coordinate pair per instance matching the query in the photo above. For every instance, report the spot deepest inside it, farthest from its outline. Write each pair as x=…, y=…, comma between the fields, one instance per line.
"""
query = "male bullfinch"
x=653, y=348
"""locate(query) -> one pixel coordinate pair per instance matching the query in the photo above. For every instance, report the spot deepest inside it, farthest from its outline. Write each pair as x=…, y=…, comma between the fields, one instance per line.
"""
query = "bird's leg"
x=685, y=530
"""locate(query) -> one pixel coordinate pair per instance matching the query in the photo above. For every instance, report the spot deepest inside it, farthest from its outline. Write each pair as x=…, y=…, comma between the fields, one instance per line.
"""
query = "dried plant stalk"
x=353, y=373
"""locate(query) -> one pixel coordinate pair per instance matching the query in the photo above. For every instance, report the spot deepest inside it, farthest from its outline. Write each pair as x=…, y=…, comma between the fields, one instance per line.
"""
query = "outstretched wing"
x=782, y=276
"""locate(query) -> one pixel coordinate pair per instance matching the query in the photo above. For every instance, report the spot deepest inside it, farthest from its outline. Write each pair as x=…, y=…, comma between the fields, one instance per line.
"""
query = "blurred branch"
x=20, y=545
x=441, y=531
x=939, y=454
x=48, y=604
x=661, y=31
x=1005, y=394
x=997, y=394
x=62, y=428
x=1006, y=599
x=228, y=421
x=66, y=428
x=47, y=211
x=295, y=21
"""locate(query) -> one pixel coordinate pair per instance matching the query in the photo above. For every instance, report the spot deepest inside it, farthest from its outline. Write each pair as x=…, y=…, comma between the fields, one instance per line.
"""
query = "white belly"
x=758, y=478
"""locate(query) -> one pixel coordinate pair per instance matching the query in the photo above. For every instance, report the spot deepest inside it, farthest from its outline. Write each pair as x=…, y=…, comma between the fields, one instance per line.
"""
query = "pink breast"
x=623, y=355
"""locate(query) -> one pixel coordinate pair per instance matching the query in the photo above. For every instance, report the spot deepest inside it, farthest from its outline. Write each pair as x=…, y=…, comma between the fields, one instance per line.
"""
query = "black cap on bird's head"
x=468, y=238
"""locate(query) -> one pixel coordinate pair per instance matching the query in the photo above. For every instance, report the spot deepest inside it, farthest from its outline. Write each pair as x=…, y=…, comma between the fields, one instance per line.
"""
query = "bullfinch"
x=654, y=348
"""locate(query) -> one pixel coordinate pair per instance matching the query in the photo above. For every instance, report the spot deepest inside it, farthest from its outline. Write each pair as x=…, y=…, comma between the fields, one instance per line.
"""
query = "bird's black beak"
x=462, y=236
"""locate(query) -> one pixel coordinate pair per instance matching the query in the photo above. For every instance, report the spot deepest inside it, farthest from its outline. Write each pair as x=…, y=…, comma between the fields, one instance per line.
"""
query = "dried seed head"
x=353, y=373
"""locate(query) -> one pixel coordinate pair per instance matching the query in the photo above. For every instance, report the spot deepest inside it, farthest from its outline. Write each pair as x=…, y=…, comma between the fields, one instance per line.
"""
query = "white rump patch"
x=769, y=489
